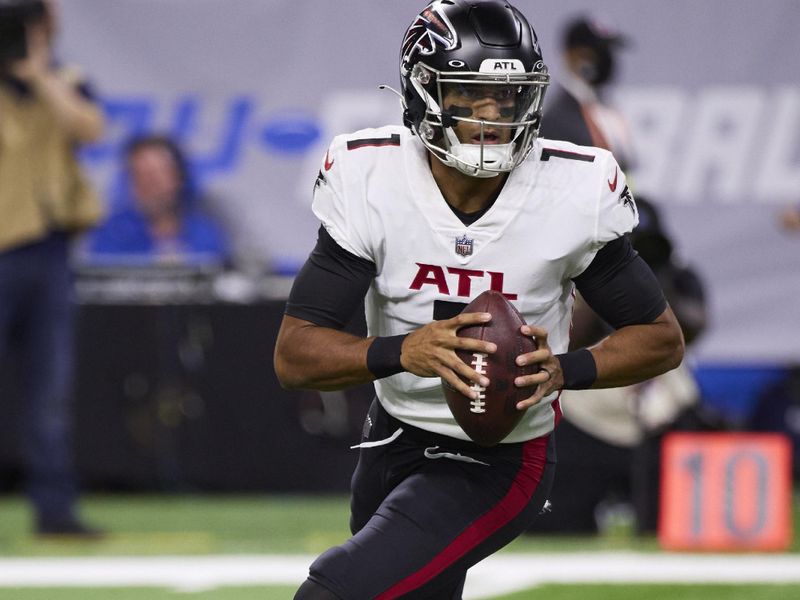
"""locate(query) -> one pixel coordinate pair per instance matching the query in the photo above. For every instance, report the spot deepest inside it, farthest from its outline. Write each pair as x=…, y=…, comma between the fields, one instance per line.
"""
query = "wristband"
x=578, y=369
x=383, y=356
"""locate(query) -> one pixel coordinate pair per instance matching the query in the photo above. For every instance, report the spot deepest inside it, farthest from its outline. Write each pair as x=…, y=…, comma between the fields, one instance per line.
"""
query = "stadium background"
x=256, y=89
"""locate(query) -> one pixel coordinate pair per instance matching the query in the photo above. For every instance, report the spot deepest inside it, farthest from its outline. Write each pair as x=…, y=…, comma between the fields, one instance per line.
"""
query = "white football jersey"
x=377, y=199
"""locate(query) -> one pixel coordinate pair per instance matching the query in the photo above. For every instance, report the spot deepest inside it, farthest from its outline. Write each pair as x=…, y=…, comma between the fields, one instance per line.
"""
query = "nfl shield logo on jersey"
x=464, y=245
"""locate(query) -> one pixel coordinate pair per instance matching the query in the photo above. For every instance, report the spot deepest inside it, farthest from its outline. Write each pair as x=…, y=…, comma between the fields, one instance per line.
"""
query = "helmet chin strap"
x=467, y=158
x=472, y=159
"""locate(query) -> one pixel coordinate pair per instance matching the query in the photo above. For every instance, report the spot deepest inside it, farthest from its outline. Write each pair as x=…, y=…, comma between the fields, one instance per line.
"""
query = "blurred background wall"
x=255, y=89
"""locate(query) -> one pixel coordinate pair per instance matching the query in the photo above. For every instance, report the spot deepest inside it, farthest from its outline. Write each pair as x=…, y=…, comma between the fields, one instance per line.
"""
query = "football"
x=488, y=419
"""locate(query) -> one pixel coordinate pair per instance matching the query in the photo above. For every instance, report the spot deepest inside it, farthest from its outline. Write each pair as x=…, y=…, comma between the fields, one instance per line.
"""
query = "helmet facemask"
x=481, y=123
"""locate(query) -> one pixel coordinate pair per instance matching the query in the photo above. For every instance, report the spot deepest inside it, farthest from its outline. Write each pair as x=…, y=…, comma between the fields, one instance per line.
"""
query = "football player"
x=418, y=221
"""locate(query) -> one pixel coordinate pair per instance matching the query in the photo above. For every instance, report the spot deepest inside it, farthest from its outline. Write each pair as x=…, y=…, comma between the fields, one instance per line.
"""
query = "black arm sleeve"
x=331, y=285
x=620, y=287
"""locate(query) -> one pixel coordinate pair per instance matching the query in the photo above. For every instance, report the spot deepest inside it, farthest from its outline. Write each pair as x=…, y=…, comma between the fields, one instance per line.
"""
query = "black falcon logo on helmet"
x=430, y=29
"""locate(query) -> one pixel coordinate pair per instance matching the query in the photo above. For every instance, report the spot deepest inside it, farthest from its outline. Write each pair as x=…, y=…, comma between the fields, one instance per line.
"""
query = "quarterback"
x=415, y=222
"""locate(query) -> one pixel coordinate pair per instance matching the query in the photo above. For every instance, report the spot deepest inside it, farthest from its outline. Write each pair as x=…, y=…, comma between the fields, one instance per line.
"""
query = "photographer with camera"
x=46, y=110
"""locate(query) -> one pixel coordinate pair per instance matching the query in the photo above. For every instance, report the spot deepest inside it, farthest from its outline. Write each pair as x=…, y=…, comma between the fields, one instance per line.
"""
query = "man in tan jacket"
x=45, y=112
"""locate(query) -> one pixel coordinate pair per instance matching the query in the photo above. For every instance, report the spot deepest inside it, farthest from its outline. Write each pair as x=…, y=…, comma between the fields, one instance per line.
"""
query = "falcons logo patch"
x=431, y=29
x=626, y=198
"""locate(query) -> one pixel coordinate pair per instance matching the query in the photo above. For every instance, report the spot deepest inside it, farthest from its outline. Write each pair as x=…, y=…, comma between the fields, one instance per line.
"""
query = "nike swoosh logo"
x=429, y=453
x=612, y=185
x=329, y=163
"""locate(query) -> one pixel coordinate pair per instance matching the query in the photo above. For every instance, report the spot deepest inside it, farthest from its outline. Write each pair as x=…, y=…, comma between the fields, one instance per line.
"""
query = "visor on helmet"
x=480, y=123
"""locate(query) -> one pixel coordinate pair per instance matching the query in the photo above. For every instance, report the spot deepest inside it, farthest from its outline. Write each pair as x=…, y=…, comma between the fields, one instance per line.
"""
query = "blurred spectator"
x=161, y=222
x=609, y=439
x=790, y=218
x=577, y=110
x=45, y=110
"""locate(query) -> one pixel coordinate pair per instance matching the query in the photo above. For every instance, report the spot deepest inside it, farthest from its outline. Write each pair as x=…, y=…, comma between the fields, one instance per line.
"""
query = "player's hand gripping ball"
x=490, y=417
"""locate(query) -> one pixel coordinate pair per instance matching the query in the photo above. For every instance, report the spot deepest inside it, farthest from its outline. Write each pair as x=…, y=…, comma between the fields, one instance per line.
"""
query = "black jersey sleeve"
x=331, y=285
x=620, y=287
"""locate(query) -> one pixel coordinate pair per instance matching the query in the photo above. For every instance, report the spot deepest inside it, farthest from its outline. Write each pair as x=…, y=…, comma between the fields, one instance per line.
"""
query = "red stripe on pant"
x=514, y=502
x=557, y=408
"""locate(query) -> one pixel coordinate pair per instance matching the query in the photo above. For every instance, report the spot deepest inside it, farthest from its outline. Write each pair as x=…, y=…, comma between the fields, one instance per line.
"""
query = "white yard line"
x=511, y=572
x=496, y=575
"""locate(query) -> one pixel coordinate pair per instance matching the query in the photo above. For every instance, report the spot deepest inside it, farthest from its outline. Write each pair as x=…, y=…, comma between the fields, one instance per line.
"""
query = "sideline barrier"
x=726, y=491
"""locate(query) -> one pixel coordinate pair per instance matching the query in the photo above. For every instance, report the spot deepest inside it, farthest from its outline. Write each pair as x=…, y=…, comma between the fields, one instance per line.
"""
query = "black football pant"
x=427, y=507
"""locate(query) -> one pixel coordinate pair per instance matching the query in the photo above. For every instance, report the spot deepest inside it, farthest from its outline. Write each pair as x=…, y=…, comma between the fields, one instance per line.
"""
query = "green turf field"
x=551, y=592
x=143, y=525
x=289, y=525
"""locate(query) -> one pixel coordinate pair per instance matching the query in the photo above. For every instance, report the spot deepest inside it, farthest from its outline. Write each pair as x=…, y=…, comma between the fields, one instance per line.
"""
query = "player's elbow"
x=673, y=346
x=288, y=359
x=289, y=376
x=665, y=339
x=677, y=350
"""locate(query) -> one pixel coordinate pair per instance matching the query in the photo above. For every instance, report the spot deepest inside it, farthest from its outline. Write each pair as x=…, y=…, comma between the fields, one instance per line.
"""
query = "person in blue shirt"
x=161, y=223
